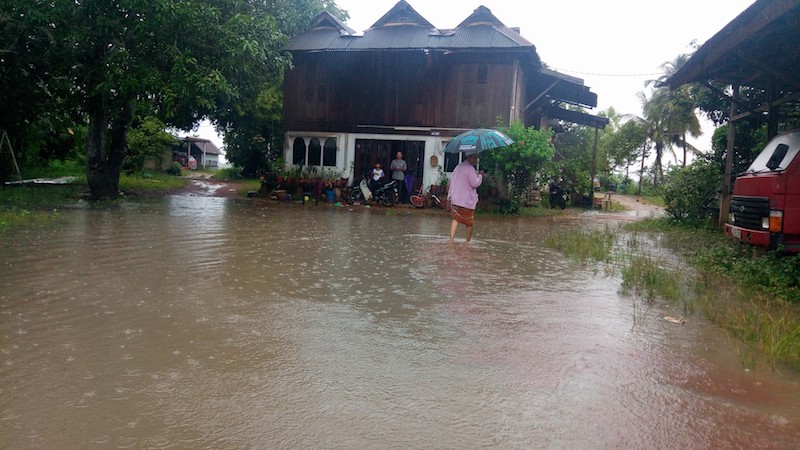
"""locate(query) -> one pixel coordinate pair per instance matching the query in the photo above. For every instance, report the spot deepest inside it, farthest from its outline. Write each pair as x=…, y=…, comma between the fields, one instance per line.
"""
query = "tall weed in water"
x=647, y=277
x=584, y=245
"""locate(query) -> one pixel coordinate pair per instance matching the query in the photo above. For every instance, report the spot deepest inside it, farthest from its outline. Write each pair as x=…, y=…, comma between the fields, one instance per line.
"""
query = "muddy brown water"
x=220, y=323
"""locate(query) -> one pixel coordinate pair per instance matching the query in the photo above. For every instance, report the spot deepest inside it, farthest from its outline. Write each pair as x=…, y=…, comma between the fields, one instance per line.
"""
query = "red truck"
x=765, y=207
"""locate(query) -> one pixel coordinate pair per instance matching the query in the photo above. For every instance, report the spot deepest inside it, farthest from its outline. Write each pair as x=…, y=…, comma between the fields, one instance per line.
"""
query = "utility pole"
x=725, y=198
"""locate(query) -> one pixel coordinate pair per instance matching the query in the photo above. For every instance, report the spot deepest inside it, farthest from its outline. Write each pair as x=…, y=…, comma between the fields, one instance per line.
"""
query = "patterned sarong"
x=463, y=215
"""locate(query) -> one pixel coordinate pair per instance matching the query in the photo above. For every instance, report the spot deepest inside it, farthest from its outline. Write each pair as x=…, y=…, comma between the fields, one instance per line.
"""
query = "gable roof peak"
x=402, y=14
x=327, y=20
x=481, y=16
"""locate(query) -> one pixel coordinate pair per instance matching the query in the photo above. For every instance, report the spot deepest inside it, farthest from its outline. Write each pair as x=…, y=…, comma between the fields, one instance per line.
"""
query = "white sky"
x=614, y=46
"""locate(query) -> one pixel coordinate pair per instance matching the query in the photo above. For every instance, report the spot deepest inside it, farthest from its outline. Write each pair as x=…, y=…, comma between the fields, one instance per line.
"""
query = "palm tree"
x=669, y=115
x=683, y=120
x=678, y=108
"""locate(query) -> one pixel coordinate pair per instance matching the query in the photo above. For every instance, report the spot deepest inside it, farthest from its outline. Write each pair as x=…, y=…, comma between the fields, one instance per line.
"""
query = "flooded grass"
x=645, y=276
x=756, y=301
x=584, y=245
x=151, y=182
x=33, y=206
x=26, y=218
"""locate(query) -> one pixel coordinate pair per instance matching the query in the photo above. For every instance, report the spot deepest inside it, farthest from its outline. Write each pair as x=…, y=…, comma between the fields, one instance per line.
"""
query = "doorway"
x=370, y=151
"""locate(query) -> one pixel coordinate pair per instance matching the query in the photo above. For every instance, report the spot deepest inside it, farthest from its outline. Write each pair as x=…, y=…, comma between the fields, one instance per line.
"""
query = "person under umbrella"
x=463, y=194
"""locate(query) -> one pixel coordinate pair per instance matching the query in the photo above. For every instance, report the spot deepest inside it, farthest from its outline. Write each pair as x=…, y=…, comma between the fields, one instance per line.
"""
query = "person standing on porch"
x=398, y=168
x=463, y=194
x=377, y=177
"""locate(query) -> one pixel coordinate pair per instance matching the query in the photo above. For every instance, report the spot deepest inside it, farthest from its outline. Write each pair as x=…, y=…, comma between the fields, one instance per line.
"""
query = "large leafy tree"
x=34, y=115
x=253, y=137
x=181, y=60
x=514, y=168
x=572, y=161
x=622, y=143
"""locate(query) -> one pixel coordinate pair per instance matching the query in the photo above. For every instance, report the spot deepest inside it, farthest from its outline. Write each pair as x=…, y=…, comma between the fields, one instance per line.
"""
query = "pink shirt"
x=463, y=185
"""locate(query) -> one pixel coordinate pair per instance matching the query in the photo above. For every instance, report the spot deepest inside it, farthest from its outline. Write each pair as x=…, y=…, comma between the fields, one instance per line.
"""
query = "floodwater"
x=218, y=323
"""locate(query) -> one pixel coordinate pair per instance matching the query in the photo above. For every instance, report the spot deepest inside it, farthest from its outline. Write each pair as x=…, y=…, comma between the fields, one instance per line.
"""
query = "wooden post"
x=5, y=140
x=725, y=198
x=594, y=165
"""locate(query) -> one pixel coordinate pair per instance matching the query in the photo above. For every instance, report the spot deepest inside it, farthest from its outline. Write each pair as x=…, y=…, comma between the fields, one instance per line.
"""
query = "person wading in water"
x=463, y=194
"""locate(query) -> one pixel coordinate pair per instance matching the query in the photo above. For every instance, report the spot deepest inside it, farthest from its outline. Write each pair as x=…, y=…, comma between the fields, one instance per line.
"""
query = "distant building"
x=351, y=100
x=206, y=154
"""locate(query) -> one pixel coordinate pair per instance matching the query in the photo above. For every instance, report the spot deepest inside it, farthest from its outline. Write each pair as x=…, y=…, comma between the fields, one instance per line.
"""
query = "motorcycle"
x=419, y=199
x=558, y=196
x=386, y=194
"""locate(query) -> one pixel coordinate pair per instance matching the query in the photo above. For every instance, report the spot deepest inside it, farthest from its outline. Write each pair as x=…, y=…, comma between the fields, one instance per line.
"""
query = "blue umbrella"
x=478, y=140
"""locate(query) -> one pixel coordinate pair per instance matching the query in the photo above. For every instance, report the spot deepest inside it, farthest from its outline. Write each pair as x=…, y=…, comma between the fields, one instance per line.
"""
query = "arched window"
x=329, y=153
x=299, y=152
x=314, y=153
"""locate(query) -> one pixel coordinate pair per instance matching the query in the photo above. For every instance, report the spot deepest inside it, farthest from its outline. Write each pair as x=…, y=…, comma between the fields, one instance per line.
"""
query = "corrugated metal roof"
x=401, y=29
x=203, y=144
x=758, y=48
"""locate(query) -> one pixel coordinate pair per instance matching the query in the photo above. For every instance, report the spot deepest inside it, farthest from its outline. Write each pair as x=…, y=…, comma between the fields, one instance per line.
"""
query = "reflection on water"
x=214, y=323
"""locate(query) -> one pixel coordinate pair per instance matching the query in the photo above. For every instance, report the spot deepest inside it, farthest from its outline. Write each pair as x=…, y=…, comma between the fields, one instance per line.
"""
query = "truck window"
x=777, y=156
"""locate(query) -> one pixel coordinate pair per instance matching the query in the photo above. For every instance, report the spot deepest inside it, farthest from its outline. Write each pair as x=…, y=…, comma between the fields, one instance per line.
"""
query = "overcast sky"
x=614, y=46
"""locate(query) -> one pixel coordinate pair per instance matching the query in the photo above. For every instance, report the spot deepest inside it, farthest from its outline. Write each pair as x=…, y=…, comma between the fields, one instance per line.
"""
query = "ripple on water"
x=205, y=325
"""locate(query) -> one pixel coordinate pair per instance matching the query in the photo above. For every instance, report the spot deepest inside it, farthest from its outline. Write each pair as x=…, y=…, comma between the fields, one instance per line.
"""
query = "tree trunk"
x=104, y=158
x=685, y=155
x=641, y=172
x=657, y=173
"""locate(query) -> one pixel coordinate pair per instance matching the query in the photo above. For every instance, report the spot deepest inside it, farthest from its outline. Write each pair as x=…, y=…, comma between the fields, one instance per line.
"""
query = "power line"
x=620, y=75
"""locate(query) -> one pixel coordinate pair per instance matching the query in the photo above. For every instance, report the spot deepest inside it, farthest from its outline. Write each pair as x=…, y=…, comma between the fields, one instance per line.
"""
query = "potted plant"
x=440, y=187
x=444, y=182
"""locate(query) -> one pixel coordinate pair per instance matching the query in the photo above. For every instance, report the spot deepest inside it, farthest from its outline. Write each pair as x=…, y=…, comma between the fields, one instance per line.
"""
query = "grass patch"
x=248, y=185
x=147, y=182
x=646, y=277
x=54, y=169
x=656, y=200
x=540, y=211
x=584, y=245
x=33, y=206
x=14, y=217
x=228, y=173
x=755, y=300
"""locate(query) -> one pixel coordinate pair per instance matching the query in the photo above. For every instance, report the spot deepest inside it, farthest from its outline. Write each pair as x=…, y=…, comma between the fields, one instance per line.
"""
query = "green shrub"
x=229, y=173
x=174, y=169
x=690, y=194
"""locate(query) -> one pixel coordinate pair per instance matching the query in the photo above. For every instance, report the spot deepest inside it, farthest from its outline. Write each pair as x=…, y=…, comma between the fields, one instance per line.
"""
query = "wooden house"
x=353, y=99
